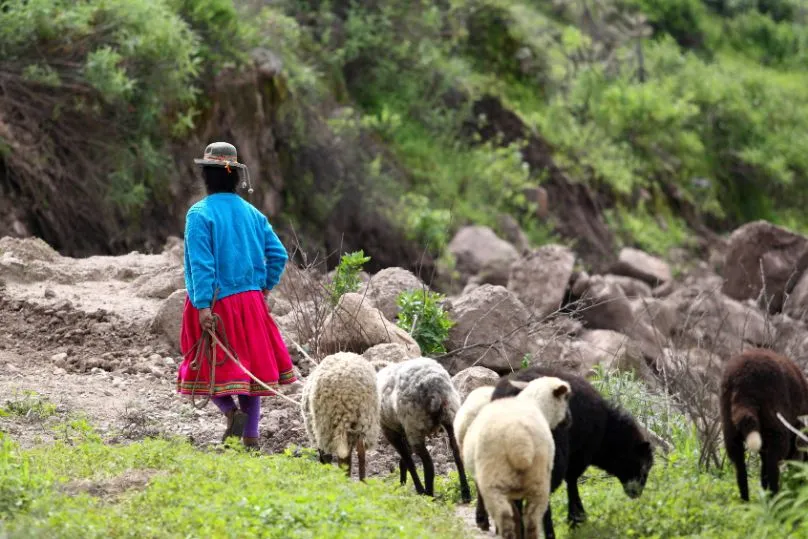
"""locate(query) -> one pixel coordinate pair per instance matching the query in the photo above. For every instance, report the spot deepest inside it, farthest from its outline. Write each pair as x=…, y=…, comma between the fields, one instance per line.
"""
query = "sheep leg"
x=549, y=531
x=735, y=453
x=429, y=468
x=502, y=510
x=532, y=515
x=360, y=455
x=325, y=458
x=399, y=442
x=481, y=516
x=346, y=462
x=576, y=512
x=402, y=471
x=465, y=491
x=778, y=447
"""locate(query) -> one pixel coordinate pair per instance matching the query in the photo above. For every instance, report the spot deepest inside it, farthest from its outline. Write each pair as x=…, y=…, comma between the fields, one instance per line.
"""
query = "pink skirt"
x=254, y=339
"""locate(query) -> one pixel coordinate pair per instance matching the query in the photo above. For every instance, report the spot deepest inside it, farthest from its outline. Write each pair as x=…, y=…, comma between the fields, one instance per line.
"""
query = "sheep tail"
x=520, y=450
x=748, y=426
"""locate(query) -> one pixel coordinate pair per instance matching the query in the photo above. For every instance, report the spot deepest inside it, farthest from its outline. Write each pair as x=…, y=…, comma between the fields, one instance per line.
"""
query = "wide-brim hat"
x=220, y=154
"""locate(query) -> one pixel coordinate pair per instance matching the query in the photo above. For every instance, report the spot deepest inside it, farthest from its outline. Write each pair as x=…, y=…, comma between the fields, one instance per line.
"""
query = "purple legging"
x=249, y=405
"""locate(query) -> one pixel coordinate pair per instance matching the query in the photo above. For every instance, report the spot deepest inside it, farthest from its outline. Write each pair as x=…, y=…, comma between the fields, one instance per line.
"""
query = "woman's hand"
x=205, y=319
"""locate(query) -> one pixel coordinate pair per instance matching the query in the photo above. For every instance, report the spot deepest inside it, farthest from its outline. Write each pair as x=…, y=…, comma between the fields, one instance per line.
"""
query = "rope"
x=209, y=339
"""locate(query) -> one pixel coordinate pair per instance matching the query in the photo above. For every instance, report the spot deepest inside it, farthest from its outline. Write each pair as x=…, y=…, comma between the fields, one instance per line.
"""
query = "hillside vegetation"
x=649, y=120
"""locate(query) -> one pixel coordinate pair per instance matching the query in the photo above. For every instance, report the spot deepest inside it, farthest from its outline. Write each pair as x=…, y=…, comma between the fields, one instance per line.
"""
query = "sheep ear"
x=518, y=384
x=561, y=390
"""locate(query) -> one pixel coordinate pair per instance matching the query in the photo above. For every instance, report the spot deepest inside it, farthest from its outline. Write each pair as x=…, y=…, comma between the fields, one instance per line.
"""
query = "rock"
x=355, y=326
x=28, y=249
x=676, y=364
x=388, y=352
x=710, y=320
x=540, y=279
x=491, y=330
x=470, y=379
x=384, y=287
x=796, y=304
x=159, y=285
x=780, y=254
x=298, y=285
x=632, y=288
x=640, y=265
x=168, y=321
x=613, y=350
x=61, y=357
x=49, y=293
x=477, y=247
x=657, y=313
x=513, y=233
x=279, y=306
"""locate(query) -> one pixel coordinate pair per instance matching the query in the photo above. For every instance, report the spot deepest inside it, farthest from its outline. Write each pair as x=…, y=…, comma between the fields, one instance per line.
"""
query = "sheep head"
x=552, y=396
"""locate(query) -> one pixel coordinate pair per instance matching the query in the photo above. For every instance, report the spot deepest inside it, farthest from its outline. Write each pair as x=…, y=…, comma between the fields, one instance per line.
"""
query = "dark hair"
x=218, y=180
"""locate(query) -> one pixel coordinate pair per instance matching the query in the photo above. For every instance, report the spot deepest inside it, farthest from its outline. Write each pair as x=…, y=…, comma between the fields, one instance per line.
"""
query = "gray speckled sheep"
x=417, y=398
x=340, y=405
x=509, y=451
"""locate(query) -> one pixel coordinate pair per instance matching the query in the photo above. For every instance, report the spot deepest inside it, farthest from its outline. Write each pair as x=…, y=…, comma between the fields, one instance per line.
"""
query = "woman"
x=233, y=259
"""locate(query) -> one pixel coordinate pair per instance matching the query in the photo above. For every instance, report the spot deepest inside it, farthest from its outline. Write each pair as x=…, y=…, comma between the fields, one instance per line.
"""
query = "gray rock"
x=477, y=247
x=470, y=379
x=168, y=321
x=541, y=278
x=384, y=287
x=640, y=265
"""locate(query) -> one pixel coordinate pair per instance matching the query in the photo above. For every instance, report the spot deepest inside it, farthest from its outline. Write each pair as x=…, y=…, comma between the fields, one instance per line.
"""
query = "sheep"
x=417, y=397
x=755, y=386
x=340, y=407
x=509, y=451
x=469, y=410
x=600, y=434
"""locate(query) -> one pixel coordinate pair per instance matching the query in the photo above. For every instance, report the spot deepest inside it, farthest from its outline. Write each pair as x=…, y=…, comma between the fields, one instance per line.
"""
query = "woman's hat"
x=223, y=154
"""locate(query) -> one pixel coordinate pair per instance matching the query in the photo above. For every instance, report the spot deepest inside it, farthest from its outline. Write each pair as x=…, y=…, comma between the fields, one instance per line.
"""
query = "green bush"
x=422, y=316
x=346, y=275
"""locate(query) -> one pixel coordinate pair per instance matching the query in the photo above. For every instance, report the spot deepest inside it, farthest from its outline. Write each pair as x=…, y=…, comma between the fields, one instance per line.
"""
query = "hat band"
x=227, y=162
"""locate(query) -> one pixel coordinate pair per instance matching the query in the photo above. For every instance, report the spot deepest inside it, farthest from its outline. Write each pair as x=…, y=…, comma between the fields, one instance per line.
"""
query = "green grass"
x=203, y=494
x=30, y=405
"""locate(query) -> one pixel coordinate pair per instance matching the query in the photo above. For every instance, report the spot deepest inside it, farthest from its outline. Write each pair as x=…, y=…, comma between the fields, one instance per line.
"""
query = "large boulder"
x=615, y=351
x=491, y=330
x=759, y=253
x=390, y=353
x=159, y=285
x=540, y=279
x=168, y=321
x=355, y=326
x=796, y=304
x=384, y=287
x=640, y=265
x=478, y=248
x=470, y=379
x=632, y=288
x=710, y=320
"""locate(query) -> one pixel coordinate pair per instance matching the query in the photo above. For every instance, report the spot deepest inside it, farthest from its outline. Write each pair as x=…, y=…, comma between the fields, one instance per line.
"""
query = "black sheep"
x=600, y=434
x=755, y=386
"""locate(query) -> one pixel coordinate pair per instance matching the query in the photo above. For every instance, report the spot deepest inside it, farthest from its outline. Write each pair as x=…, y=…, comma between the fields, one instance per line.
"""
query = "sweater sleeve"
x=275, y=256
x=199, y=244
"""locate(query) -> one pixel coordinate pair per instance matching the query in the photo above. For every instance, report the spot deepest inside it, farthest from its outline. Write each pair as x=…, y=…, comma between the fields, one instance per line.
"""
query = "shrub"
x=30, y=405
x=422, y=315
x=346, y=276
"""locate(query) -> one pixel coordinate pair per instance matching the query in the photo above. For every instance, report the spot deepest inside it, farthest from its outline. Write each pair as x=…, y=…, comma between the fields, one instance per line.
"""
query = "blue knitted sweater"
x=229, y=245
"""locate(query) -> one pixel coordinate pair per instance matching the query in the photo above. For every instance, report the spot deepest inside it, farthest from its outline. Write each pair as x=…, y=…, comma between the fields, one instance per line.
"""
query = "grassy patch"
x=29, y=405
x=203, y=494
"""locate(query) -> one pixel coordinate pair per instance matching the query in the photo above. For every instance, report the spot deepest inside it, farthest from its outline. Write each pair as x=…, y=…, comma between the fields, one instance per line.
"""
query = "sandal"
x=251, y=443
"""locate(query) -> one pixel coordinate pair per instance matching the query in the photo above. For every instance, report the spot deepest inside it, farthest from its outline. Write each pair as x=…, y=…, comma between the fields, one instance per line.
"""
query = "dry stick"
x=792, y=428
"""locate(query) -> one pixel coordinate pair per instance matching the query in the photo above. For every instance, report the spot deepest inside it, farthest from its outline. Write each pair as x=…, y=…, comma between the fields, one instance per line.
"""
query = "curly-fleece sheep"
x=755, y=385
x=509, y=451
x=417, y=398
x=340, y=405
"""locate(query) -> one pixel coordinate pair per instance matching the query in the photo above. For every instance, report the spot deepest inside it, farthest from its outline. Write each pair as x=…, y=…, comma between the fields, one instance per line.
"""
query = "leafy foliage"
x=346, y=275
x=422, y=315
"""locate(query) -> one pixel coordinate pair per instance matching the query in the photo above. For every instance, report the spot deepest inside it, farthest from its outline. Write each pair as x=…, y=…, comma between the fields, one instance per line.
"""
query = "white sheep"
x=417, y=398
x=340, y=406
x=469, y=410
x=509, y=451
